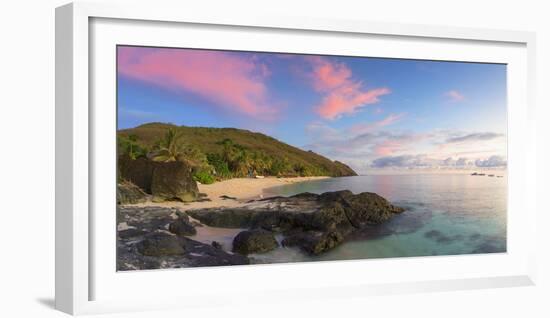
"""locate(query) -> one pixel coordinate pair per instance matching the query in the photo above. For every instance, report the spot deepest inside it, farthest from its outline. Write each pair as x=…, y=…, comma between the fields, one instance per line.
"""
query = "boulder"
x=361, y=209
x=254, y=241
x=160, y=244
x=182, y=226
x=164, y=180
x=173, y=181
x=314, y=242
x=138, y=171
x=129, y=193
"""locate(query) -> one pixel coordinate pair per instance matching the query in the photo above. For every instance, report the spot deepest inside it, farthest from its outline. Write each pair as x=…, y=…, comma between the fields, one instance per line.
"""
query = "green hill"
x=230, y=152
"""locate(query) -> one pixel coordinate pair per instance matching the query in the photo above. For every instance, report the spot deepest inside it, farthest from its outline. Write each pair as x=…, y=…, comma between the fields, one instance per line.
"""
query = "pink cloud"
x=389, y=120
x=341, y=94
x=454, y=96
x=388, y=147
x=226, y=79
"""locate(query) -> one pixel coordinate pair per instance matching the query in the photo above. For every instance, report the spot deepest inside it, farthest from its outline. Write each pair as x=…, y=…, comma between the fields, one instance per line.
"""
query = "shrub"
x=221, y=167
x=130, y=147
x=203, y=177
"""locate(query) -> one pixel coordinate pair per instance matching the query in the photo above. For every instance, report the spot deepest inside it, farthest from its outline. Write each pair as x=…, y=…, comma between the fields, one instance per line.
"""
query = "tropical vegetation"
x=222, y=153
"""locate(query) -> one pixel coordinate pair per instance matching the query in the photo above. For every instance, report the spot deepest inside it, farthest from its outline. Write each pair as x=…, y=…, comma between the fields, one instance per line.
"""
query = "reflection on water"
x=447, y=214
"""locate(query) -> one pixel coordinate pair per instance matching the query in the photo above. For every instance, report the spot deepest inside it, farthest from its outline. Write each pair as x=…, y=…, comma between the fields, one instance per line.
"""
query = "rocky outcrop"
x=173, y=181
x=138, y=171
x=160, y=237
x=129, y=193
x=144, y=241
x=182, y=226
x=316, y=223
x=160, y=244
x=166, y=181
x=254, y=241
x=341, y=210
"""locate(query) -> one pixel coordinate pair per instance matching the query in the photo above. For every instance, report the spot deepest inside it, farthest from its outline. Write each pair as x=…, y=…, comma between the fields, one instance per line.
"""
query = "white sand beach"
x=242, y=189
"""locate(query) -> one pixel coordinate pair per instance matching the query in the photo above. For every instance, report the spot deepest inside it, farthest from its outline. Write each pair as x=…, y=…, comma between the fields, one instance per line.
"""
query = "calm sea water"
x=446, y=214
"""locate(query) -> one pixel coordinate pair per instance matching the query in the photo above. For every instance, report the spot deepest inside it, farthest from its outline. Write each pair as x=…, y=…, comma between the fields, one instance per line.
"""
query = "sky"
x=370, y=113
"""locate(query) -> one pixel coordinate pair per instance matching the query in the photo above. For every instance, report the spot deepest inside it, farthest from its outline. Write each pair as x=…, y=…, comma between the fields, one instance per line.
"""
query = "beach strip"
x=232, y=192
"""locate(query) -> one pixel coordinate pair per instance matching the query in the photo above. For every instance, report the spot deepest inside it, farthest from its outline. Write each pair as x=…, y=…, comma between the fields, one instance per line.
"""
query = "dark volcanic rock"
x=160, y=244
x=330, y=211
x=138, y=171
x=225, y=217
x=129, y=233
x=146, y=219
x=173, y=181
x=363, y=208
x=254, y=241
x=129, y=193
x=314, y=242
x=144, y=243
x=182, y=226
x=314, y=222
x=164, y=180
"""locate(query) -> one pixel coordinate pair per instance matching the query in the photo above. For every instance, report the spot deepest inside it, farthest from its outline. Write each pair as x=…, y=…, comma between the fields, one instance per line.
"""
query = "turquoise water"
x=446, y=214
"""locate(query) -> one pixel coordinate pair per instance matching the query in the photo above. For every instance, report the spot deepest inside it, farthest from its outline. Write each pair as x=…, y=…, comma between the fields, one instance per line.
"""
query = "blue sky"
x=371, y=113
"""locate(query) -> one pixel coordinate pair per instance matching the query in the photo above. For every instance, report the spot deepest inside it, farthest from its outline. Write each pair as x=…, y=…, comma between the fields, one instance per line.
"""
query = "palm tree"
x=170, y=148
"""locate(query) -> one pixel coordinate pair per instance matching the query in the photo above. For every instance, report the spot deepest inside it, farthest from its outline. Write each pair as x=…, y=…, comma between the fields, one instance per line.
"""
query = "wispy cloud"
x=482, y=136
x=389, y=120
x=227, y=79
x=454, y=96
x=341, y=94
x=395, y=148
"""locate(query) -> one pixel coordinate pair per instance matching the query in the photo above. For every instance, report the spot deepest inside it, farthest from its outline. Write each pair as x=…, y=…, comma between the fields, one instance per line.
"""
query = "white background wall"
x=27, y=158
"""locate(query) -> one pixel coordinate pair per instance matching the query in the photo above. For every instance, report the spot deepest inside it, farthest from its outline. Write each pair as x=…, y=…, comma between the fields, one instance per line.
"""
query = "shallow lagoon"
x=447, y=214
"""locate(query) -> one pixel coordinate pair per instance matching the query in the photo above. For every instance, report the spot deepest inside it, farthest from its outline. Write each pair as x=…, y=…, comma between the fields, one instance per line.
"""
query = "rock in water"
x=340, y=210
x=316, y=223
x=160, y=244
x=173, y=181
x=182, y=226
x=314, y=242
x=362, y=209
x=129, y=193
x=254, y=241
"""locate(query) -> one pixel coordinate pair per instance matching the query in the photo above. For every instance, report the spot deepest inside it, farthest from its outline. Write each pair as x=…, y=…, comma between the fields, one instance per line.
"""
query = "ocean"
x=446, y=214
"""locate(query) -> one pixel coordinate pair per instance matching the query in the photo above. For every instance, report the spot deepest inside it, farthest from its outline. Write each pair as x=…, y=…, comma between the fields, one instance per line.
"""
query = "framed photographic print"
x=261, y=157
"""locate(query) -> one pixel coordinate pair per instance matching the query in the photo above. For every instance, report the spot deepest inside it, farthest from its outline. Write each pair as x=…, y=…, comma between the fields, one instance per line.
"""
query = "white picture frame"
x=79, y=145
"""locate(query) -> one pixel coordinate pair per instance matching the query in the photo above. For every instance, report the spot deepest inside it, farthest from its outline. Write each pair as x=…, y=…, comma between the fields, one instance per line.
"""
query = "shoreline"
x=242, y=189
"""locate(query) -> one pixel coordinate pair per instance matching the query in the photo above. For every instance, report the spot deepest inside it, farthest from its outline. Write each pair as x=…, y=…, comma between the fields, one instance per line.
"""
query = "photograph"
x=229, y=157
